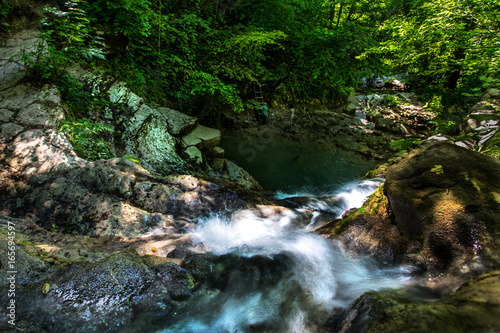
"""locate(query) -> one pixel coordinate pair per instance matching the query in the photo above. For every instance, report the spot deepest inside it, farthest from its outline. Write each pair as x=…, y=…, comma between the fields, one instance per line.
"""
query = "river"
x=280, y=276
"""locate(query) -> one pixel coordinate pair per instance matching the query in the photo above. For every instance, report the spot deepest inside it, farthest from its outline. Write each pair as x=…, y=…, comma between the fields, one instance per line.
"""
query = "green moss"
x=191, y=282
x=36, y=252
x=373, y=206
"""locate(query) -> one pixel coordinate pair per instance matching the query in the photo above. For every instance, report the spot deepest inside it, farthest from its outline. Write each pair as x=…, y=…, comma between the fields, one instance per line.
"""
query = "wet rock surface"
x=101, y=296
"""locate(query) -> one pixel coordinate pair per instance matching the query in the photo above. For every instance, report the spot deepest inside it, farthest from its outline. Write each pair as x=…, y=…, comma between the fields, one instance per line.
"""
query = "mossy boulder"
x=449, y=197
x=475, y=307
x=439, y=209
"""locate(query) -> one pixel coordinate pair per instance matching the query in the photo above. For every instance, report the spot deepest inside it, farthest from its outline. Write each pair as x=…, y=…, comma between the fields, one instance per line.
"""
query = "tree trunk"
x=340, y=15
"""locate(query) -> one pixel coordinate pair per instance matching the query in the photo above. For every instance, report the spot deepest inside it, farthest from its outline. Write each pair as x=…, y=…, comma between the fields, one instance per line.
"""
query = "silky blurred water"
x=318, y=277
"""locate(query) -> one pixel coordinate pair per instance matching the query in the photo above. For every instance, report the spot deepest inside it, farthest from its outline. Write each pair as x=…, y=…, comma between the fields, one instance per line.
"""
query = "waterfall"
x=300, y=281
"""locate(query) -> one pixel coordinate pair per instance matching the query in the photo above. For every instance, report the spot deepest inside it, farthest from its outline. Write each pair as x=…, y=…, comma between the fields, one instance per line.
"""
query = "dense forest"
x=207, y=57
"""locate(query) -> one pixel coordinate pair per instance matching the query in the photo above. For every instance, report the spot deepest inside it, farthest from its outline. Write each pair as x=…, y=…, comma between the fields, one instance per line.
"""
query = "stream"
x=271, y=273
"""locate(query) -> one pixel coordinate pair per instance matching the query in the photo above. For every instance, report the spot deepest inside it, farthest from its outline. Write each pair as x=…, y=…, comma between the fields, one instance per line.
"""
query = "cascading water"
x=278, y=276
x=266, y=270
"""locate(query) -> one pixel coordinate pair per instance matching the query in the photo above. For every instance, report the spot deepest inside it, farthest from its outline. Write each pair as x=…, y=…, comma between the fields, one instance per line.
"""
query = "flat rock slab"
x=10, y=130
x=202, y=137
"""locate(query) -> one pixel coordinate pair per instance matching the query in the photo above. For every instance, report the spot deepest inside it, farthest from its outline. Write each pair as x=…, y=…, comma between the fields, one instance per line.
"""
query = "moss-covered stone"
x=475, y=307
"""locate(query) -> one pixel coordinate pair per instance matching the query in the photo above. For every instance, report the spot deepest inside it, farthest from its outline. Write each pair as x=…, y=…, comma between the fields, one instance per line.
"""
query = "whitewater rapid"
x=320, y=276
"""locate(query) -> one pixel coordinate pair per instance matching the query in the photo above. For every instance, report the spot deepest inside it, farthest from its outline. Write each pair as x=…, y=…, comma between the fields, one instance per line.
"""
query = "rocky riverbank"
x=100, y=243
x=367, y=124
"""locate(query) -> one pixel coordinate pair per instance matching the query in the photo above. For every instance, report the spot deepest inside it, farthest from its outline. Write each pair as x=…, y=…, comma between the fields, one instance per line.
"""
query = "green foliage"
x=66, y=37
x=242, y=53
x=493, y=151
x=437, y=169
x=205, y=57
x=87, y=138
x=69, y=31
x=435, y=105
x=132, y=158
x=444, y=126
x=132, y=18
x=445, y=46
x=82, y=101
x=405, y=144
x=5, y=8
x=391, y=101
x=492, y=146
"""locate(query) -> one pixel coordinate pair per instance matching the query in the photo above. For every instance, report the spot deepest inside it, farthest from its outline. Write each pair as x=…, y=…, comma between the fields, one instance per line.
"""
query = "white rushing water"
x=338, y=200
x=318, y=276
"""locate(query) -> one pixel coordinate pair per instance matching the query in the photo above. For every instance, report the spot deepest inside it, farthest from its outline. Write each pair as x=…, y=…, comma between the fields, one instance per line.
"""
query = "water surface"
x=283, y=165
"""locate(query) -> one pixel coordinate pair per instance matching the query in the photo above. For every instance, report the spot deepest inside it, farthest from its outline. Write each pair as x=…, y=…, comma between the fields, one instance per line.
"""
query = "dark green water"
x=282, y=165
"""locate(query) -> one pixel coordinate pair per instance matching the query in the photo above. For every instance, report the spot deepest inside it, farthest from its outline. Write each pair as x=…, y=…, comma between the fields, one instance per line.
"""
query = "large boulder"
x=440, y=210
x=101, y=296
x=156, y=147
x=179, y=123
x=241, y=176
x=449, y=197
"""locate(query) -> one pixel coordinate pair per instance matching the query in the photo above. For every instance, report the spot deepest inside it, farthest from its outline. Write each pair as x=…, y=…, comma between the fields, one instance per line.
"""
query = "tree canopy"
x=206, y=56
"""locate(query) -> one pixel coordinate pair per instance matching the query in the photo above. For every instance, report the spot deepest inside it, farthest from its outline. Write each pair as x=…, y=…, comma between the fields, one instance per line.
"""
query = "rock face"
x=202, y=137
x=179, y=123
x=440, y=210
x=154, y=145
x=166, y=141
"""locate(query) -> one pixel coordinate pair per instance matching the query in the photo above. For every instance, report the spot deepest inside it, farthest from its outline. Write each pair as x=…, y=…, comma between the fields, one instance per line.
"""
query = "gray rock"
x=194, y=155
x=202, y=137
x=491, y=94
x=18, y=97
x=10, y=74
x=41, y=115
x=5, y=115
x=474, y=307
x=179, y=123
x=217, y=164
x=216, y=152
x=29, y=269
x=156, y=147
x=241, y=176
x=387, y=125
x=93, y=297
x=39, y=155
x=119, y=93
x=10, y=130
